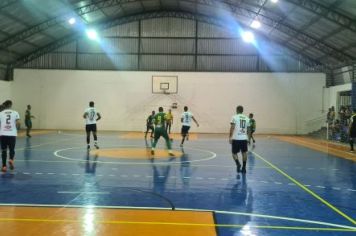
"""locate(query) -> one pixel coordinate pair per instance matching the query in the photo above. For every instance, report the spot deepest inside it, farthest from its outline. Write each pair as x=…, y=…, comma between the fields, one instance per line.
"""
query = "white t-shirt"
x=8, y=120
x=187, y=118
x=241, y=122
x=92, y=115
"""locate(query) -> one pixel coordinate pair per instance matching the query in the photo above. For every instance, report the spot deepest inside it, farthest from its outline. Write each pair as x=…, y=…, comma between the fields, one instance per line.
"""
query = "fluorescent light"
x=255, y=24
x=92, y=34
x=71, y=21
x=248, y=36
x=274, y=1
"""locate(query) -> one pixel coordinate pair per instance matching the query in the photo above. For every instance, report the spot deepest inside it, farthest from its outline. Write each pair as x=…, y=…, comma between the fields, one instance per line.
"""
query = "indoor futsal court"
x=177, y=117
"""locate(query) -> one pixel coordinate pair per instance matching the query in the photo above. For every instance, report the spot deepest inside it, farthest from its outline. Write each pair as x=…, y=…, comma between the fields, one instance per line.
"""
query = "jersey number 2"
x=8, y=117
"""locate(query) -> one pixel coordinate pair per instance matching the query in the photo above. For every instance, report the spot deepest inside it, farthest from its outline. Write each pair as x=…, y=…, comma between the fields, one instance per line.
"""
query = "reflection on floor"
x=290, y=188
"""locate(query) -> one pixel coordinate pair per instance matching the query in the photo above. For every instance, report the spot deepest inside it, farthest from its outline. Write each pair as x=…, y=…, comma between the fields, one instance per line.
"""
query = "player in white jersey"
x=186, y=120
x=91, y=116
x=238, y=137
x=9, y=124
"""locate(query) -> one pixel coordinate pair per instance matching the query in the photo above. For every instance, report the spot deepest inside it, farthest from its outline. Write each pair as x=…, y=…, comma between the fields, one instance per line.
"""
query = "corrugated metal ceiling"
x=323, y=30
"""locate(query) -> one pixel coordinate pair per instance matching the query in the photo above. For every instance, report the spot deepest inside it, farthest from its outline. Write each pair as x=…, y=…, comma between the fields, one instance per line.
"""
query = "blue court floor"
x=287, y=190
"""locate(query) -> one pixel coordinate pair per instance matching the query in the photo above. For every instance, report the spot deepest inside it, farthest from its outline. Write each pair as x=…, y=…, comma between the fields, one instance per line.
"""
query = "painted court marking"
x=307, y=189
x=335, y=227
x=185, y=177
x=211, y=155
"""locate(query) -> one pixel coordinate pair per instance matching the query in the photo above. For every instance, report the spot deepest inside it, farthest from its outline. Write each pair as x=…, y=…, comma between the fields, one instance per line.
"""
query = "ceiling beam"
x=242, y=10
x=148, y=15
x=94, y=6
x=327, y=12
x=238, y=8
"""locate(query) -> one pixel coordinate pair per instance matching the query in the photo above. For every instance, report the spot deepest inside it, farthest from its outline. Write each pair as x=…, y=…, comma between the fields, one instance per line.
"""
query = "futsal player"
x=352, y=132
x=251, y=128
x=160, y=130
x=91, y=116
x=149, y=124
x=186, y=120
x=9, y=124
x=238, y=137
x=169, y=116
x=28, y=120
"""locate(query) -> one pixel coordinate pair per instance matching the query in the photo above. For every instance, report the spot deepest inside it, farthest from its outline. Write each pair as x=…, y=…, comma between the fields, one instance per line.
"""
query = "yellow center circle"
x=135, y=153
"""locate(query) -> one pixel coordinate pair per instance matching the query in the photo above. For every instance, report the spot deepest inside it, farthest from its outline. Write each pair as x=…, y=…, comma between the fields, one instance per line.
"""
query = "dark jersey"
x=28, y=115
x=253, y=124
x=150, y=120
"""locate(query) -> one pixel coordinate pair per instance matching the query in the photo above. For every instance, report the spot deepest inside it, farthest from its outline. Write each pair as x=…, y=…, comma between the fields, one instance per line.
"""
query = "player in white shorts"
x=9, y=124
x=186, y=120
x=238, y=137
x=91, y=116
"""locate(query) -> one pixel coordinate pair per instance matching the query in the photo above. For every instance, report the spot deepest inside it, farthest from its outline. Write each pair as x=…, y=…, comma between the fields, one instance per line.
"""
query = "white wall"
x=5, y=91
x=281, y=102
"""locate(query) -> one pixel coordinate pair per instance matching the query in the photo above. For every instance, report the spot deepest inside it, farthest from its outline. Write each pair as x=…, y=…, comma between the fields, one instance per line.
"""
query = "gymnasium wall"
x=281, y=102
x=5, y=92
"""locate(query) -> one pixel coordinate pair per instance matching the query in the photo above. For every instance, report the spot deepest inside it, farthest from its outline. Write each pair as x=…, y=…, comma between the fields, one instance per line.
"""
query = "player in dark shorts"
x=352, y=132
x=28, y=120
x=251, y=129
x=9, y=124
x=91, y=116
x=160, y=130
x=186, y=119
x=238, y=138
x=149, y=124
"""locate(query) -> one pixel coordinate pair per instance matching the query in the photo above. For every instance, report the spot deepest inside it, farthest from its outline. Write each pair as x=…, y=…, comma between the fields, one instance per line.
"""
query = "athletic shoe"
x=243, y=170
x=170, y=153
x=88, y=147
x=4, y=169
x=96, y=146
x=11, y=164
x=238, y=168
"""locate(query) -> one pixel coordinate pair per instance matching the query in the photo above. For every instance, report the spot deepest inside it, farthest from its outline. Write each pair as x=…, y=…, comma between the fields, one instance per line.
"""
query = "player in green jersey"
x=28, y=120
x=149, y=124
x=251, y=128
x=160, y=130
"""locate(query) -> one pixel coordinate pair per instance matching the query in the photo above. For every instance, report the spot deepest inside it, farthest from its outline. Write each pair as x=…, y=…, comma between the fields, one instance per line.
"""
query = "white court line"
x=212, y=156
x=187, y=209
